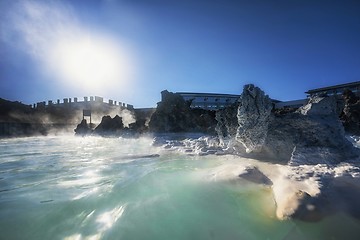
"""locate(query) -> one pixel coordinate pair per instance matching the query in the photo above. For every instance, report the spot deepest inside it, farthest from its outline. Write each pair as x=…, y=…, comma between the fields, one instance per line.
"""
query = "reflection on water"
x=107, y=219
x=97, y=188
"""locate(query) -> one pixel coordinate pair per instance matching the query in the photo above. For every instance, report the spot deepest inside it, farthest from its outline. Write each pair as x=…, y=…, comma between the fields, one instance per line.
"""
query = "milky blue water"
x=107, y=188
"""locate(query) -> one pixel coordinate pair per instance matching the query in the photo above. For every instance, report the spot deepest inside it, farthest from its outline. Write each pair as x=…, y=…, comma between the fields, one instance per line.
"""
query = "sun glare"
x=91, y=63
x=73, y=55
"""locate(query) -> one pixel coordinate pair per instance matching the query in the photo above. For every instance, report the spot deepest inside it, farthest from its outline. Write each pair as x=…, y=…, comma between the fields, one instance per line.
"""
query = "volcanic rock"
x=311, y=135
x=173, y=114
x=350, y=115
x=82, y=128
x=109, y=126
x=227, y=123
x=253, y=116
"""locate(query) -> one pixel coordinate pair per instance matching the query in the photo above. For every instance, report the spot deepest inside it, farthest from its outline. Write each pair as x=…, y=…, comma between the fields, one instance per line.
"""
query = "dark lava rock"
x=227, y=122
x=350, y=115
x=173, y=114
x=311, y=135
x=83, y=128
x=110, y=126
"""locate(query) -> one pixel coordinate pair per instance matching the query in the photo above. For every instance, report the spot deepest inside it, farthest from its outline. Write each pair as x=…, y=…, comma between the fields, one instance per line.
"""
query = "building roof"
x=345, y=85
x=208, y=94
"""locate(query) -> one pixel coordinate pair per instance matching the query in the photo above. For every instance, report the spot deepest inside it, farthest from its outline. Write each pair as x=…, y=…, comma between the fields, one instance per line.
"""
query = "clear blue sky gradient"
x=284, y=46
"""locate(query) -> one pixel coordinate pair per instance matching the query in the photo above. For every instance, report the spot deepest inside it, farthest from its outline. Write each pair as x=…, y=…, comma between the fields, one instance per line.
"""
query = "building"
x=209, y=101
x=213, y=101
x=73, y=110
x=336, y=90
x=291, y=104
x=92, y=102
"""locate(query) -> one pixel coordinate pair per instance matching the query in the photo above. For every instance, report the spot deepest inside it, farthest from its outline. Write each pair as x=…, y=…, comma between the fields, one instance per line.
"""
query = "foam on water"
x=115, y=188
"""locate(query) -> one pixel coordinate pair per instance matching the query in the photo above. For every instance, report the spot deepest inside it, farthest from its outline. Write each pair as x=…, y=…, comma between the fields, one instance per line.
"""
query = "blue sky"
x=131, y=50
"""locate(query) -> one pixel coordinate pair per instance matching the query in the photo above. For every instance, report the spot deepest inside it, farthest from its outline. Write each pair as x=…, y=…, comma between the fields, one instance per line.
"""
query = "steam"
x=128, y=117
x=68, y=51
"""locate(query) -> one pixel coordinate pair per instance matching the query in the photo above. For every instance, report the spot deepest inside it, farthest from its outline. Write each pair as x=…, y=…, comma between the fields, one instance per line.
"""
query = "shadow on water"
x=338, y=195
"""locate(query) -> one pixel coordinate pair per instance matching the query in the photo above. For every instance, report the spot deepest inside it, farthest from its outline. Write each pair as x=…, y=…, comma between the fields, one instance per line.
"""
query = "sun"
x=91, y=63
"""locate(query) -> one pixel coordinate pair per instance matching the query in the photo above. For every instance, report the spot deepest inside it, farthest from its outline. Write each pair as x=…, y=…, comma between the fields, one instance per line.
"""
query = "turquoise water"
x=110, y=188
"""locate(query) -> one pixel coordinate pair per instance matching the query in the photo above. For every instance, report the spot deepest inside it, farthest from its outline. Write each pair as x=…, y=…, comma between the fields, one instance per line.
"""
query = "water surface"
x=113, y=188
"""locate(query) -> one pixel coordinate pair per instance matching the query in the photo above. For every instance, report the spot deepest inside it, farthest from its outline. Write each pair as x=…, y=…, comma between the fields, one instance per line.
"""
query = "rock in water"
x=311, y=135
x=319, y=105
x=227, y=123
x=323, y=137
x=173, y=114
x=253, y=117
x=82, y=128
x=110, y=126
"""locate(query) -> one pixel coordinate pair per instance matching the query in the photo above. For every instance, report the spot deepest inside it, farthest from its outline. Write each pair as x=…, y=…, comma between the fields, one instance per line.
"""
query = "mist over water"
x=69, y=187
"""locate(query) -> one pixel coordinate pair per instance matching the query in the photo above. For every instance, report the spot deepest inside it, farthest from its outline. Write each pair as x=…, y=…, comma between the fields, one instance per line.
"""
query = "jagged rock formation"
x=350, y=115
x=173, y=114
x=110, y=126
x=83, y=128
x=253, y=116
x=319, y=105
x=141, y=125
x=227, y=123
x=308, y=139
x=311, y=135
x=115, y=126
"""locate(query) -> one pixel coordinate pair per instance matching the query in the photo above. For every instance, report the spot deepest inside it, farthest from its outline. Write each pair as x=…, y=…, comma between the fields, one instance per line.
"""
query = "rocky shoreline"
x=252, y=128
x=306, y=147
x=319, y=171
